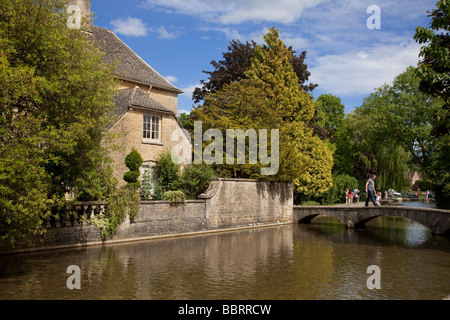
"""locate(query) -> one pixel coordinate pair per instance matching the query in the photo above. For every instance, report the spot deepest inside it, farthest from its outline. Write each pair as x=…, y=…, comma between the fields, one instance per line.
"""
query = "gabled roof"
x=135, y=97
x=130, y=65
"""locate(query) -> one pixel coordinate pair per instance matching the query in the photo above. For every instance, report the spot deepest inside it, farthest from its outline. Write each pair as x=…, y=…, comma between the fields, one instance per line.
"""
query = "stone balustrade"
x=75, y=214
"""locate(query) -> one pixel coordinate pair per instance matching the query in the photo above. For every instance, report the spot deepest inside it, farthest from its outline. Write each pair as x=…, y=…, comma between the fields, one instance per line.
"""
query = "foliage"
x=388, y=133
x=55, y=100
x=167, y=175
x=122, y=202
x=174, y=197
x=434, y=68
x=424, y=185
x=311, y=203
x=195, y=180
x=439, y=172
x=337, y=193
x=330, y=111
x=270, y=97
x=133, y=161
x=237, y=61
x=434, y=72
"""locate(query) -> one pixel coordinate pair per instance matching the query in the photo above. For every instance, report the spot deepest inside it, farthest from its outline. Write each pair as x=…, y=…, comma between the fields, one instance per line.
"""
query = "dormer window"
x=151, y=128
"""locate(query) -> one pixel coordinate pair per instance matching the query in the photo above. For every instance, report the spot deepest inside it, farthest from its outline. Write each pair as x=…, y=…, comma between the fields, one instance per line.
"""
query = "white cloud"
x=238, y=11
x=187, y=91
x=164, y=34
x=171, y=79
x=130, y=27
x=359, y=72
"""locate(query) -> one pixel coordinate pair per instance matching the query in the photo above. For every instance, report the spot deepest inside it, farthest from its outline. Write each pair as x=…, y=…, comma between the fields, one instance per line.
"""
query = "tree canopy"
x=434, y=72
x=269, y=97
x=388, y=133
x=55, y=97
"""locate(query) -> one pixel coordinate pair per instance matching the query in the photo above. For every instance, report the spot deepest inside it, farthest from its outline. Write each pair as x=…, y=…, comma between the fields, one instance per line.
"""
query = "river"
x=318, y=261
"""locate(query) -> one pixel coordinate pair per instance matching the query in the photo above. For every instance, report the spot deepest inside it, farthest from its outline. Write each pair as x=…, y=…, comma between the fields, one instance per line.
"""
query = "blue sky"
x=179, y=38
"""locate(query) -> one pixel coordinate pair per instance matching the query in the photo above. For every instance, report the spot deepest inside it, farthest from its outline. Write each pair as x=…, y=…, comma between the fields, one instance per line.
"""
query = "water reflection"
x=317, y=261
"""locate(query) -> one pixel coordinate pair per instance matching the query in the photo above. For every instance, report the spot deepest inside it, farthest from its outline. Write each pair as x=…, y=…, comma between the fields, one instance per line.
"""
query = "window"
x=152, y=128
x=148, y=180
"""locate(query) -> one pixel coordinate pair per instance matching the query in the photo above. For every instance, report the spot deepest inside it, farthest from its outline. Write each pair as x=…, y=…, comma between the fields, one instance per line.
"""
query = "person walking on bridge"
x=370, y=189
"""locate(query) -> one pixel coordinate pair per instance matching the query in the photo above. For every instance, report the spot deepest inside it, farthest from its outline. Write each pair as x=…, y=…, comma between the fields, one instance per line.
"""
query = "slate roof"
x=135, y=97
x=130, y=65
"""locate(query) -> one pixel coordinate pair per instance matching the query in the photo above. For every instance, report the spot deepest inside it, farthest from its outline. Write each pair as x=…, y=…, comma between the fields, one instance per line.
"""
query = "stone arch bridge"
x=438, y=221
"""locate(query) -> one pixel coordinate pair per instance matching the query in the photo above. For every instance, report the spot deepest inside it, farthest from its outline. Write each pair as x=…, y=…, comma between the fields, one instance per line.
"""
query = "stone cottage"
x=146, y=103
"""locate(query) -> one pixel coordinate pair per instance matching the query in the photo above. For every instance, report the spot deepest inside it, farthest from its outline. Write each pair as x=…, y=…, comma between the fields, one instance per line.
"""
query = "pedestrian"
x=356, y=195
x=378, y=198
x=350, y=197
x=346, y=196
x=370, y=189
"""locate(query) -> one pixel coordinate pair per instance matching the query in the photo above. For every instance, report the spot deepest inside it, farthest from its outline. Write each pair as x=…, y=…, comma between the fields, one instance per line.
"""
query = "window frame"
x=148, y=130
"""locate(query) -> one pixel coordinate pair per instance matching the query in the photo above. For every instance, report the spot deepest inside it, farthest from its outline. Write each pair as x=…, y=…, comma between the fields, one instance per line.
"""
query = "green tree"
x=236, y=61
x=270, y=98
x=55, y=98
x=434, y=68
x=331, y=112
x=390, y=132
x=434, y=72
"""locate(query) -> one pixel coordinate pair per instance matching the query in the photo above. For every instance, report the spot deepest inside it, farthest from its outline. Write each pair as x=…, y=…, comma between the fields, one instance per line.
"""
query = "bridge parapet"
x=437, y=220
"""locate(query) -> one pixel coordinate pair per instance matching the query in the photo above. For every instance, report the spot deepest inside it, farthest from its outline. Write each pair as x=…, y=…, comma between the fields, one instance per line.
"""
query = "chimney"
x=84, y=5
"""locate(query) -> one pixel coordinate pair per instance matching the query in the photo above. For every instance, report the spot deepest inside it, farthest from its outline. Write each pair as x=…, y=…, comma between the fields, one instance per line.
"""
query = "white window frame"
x=151, y=131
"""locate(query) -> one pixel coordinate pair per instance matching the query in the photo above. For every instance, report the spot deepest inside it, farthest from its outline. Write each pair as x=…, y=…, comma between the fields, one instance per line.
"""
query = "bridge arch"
x=438, y=221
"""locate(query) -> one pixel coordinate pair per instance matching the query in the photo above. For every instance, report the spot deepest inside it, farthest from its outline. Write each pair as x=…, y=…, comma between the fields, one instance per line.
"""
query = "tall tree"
x=434, y=68
x=434, y=72
x=269, y=97
x=55, y=98
x=236, y=62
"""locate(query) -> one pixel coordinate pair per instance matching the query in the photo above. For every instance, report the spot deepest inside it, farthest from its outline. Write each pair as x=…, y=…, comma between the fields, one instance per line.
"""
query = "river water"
x=318, y=261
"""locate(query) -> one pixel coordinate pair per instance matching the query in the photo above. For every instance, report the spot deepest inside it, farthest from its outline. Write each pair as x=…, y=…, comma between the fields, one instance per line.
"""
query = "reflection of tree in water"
x=399, y=230
x=112, y=275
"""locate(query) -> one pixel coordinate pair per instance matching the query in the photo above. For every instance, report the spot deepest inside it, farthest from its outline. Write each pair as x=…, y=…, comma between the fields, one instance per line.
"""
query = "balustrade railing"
x=75, y=214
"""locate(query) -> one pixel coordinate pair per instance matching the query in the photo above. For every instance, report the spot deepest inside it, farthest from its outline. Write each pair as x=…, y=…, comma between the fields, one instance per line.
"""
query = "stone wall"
x=242, y=202
x=164, y=218
x=228, y=203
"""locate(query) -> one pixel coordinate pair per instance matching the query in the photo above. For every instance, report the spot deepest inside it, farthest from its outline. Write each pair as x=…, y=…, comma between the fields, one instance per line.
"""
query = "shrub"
x=131, y=176
x=195, y=180
x=133, y=161
x=120, y=202
x=167, y=172
x=176, y=196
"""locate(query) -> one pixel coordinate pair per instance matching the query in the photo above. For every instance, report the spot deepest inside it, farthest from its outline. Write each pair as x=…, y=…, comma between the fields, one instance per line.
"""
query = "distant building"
x=414, y=176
